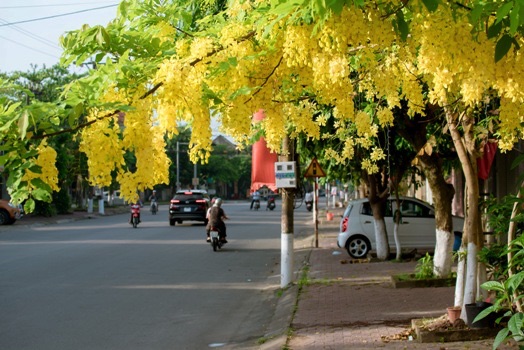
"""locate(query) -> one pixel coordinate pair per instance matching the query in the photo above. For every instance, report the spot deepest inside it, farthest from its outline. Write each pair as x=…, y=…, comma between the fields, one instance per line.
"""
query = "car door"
x=417, y=228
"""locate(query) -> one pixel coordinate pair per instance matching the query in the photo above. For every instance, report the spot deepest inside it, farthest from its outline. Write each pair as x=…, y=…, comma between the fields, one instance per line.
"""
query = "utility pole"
x=178, y=165
x=287, y=228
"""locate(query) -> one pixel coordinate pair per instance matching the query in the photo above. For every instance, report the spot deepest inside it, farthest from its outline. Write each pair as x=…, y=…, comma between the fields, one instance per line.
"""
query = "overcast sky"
x=30, y=29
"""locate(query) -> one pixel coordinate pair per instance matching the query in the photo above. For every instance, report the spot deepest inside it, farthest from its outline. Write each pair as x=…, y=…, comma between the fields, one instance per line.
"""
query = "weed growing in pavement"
x=424, y=268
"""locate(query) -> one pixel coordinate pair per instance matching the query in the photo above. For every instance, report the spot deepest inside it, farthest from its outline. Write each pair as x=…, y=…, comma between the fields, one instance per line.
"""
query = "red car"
x=9, y=212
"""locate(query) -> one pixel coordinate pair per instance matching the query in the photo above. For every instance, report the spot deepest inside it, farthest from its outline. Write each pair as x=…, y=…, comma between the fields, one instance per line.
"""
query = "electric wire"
x=31, y=48
x=55, y=16
x=32, y=35
x=53, y=5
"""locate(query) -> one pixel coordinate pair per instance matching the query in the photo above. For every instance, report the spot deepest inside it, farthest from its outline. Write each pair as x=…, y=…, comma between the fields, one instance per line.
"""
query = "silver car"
x=416, y=231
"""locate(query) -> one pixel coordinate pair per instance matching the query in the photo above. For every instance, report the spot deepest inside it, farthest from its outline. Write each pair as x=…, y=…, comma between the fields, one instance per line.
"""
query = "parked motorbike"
x=256, y=205
x=135, y=215
x=309, y=206
x=216, y=242
x=154, y=207
x=271, y=203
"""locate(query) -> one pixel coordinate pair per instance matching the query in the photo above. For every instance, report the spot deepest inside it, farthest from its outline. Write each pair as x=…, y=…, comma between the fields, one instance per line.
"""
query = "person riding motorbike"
x=255, y=198
x=135, y=205
x=309, y=200
x=216, y=219
x=153, y=200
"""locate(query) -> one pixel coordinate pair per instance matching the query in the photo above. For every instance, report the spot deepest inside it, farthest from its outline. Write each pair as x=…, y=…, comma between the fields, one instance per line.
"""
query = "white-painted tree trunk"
x=101, y=206
x=397, y=242
x=381, y=239
x=286, y=257
x=442, y=259
x=461, y=277
x=470, y=288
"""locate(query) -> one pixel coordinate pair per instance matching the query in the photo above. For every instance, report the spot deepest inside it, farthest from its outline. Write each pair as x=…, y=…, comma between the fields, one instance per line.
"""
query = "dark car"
x=190, y=205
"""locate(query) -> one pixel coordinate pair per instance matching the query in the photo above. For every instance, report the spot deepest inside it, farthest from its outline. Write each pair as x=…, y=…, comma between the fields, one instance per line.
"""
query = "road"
x=100, y=284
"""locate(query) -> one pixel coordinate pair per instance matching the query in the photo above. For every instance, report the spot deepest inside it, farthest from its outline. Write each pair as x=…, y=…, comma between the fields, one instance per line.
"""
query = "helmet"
x=154, y=191
x=218, y=202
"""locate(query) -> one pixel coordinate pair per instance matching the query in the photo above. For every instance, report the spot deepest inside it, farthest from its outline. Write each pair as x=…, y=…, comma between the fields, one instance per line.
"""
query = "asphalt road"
x=100, y=284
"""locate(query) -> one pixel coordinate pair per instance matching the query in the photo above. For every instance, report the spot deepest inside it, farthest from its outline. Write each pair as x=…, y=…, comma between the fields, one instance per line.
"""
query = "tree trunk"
x=378, y=194
x=414, y=131
x=466, y=151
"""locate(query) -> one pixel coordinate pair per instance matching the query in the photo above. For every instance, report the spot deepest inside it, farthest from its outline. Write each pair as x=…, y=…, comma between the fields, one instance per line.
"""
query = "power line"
x=30, y=48
x=55, y=16
x=52, y=5
x=32, y=35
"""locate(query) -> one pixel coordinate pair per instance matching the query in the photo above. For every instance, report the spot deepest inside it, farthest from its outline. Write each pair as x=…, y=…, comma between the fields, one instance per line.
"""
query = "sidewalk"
x=354, y=306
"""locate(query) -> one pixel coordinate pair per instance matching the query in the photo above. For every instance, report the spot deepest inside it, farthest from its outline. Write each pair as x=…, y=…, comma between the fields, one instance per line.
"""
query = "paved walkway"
x=349, y=305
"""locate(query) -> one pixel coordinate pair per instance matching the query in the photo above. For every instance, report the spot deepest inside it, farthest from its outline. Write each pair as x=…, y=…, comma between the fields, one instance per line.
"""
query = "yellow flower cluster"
x=101, y=144
x=46, y=160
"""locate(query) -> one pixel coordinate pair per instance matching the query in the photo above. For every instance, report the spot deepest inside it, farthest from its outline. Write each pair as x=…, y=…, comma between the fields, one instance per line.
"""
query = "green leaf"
x=42, y=195
x=516, y=323
x=504, y=10
x=38, y=183
x=503, y=46
x=23, y=122
x=494, y=30
x=402, y=26
x=476, y=13
x=493, y=285
x=514, y=19
x=515, y=281
x=431, y=5
x=484, y=313
x=29, y=205
x=501, y=336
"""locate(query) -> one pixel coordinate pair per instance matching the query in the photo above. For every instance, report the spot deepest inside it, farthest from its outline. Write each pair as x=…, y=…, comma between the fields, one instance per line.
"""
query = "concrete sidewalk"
x=349, y=305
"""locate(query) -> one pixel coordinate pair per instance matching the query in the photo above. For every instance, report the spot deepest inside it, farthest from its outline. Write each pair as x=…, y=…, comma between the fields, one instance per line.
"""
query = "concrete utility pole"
x=178, y=166
x=288, y=198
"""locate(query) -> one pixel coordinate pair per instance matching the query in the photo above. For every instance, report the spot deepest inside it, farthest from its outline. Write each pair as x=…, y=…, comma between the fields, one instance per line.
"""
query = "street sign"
x=314, y=169
x=285, y=175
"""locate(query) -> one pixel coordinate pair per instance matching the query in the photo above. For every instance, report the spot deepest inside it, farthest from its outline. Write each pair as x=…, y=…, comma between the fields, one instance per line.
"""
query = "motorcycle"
x=256, y=205
x=271, y=203
x=154, y=207
x=216, y=242
x=135, y=215
x=309, y=206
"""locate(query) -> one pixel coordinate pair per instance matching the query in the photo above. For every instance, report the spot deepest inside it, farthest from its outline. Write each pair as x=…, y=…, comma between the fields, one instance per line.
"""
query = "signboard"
x=314, y=169
x=285, y=175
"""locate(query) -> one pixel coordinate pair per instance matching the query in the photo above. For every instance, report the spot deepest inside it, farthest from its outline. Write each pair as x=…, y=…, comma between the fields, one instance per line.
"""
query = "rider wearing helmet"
x=216, y=219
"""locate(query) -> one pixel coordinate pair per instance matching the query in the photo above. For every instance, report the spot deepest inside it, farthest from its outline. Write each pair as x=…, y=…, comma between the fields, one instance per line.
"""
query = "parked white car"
x=416, y=231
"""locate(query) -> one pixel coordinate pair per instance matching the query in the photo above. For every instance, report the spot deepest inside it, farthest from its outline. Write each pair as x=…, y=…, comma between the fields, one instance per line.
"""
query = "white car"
x=416, y=231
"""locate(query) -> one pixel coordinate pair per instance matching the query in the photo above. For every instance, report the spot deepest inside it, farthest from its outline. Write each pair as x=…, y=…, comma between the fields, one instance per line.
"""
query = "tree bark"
x=467, y=153
x=414, y=131
x=378, y=194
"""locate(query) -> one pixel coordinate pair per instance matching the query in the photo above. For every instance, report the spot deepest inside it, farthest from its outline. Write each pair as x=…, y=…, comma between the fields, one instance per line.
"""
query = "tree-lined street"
x=94, y=284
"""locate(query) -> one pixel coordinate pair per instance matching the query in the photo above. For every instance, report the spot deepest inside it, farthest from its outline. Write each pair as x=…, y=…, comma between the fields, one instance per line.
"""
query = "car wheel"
x=172, y=222
x=357, y=247
x=4, y=217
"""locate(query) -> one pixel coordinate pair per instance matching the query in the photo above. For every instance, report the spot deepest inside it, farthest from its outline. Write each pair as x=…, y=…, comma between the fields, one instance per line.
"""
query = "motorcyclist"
x=309, y=200
x=135, y=205
x=216, y=219
x=255, y=198
x=153, y=200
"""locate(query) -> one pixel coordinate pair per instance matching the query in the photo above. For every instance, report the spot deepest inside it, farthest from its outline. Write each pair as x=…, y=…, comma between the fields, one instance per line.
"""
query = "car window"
x=185, y=197
x=413, y=209
x=366, y=209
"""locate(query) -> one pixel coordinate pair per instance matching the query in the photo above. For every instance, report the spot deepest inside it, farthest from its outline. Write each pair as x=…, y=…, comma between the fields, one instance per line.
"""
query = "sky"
x=30, y=29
